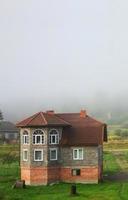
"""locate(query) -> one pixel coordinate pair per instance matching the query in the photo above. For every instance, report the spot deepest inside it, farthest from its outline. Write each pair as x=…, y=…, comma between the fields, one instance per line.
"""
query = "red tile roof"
x=76, y=120
x=83, y=130
x=42, y=119
x=79, y=128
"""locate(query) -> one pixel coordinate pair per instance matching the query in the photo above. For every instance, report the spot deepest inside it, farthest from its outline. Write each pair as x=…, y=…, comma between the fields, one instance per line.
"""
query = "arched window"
x=54, y=137
x=38, y=137
x=25, y=137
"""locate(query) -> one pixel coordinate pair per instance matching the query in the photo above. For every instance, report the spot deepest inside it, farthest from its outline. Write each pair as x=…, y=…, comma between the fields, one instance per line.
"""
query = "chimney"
x=50, y=112
x=83, y=113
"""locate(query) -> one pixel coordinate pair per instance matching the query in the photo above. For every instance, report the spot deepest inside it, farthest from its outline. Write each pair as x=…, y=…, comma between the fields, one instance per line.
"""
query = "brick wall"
x=25, y=175
x=87, y=175
x=34, y=176
x=53, y=174
x=44, y=176
x=39, y=176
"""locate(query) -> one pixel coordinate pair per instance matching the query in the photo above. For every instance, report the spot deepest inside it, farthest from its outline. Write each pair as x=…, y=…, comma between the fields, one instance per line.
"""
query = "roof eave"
x=47, y=125
x=80, y=144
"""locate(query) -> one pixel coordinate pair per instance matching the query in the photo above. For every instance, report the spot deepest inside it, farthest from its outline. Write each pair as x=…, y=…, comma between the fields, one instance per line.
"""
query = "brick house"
x=66, y=147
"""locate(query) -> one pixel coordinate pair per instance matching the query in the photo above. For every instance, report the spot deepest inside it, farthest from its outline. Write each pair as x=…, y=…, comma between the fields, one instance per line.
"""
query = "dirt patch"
x=120, y=176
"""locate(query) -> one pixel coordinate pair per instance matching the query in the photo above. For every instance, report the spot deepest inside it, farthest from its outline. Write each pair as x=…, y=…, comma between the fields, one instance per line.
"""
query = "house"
x=66, y=147
x=8, y=132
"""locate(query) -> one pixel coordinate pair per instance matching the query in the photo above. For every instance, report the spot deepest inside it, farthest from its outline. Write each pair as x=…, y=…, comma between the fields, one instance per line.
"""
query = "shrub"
x=9, y=158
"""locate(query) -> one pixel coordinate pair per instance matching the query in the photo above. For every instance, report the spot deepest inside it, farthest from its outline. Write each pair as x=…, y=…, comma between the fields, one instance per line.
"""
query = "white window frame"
x=56, y=135
x=24, y=154
x=25, y=136
x=54, y=149
x=38, y=135
x=78, y=155
x=42, y=155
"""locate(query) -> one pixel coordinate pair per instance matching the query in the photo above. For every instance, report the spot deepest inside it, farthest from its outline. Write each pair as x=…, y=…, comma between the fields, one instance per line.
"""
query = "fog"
x=63, y=55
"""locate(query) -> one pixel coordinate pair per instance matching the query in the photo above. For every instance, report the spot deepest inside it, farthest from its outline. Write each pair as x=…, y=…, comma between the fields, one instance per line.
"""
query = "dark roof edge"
x=79, y=145
x=105, y=133
x=47, y=125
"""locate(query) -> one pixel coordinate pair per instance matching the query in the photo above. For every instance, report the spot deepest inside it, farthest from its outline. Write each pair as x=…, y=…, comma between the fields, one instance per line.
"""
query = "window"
x=78, y=154
x=38, y=155
x=75, y=172
x=25, y=154
x=25, y=137
x=53, y=154
x=38, y=137
x=54, y=137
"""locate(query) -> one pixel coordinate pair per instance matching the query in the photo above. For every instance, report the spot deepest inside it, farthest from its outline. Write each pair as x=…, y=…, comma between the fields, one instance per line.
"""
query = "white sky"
x=61, y=54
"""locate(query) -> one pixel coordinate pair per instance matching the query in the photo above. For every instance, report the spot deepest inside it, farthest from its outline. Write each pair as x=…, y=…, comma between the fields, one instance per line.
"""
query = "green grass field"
x=115, y=160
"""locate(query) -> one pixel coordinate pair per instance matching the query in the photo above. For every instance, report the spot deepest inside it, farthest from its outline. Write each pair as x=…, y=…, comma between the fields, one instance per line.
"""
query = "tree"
x=125, y=133
x=125, y=125
x=1, y=115
x=118, y=132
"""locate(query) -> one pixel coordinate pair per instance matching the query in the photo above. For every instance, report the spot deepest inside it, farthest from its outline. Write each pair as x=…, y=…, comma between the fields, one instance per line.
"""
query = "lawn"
x=115, y=160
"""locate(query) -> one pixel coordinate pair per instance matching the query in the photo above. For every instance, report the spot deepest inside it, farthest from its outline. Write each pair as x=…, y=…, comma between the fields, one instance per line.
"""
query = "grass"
x=114, y=145
x=110, y=163
x=58, y=192
x=107, y=190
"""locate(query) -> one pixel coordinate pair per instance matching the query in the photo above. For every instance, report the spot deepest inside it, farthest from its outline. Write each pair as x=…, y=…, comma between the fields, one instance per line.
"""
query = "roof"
x=6, y=126
x=83, y=130
x=77, y=121
x=43, y=119
x=78, y=128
